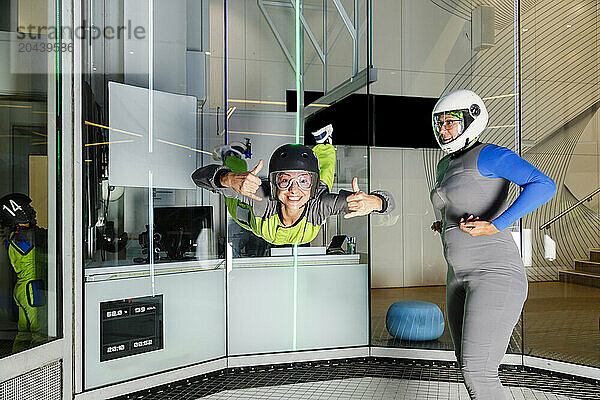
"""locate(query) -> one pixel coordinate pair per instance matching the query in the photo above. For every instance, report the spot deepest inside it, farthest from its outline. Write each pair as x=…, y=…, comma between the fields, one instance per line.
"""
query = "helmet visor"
x=449, y=125
x=285, y=179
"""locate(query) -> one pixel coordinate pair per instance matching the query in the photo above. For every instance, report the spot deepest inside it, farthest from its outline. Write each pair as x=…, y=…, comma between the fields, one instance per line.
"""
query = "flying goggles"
x=284, y=180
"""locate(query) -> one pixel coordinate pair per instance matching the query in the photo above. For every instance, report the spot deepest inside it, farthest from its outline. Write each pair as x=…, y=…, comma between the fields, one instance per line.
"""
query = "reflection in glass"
x=29, y=273
x=27, y=248
x=147, y=124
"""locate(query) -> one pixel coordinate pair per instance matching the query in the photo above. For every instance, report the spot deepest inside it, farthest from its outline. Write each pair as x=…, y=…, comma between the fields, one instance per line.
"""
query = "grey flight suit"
x=486, y=283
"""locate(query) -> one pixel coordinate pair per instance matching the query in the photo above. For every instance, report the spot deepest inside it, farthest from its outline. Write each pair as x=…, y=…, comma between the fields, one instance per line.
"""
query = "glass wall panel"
x=416, y=62
x=154, y=242
x=495, y=77
x=30, y=270
x=407, y=257
x=542, y=52
x=560, y=136
x=423, y=50
x=290, y=288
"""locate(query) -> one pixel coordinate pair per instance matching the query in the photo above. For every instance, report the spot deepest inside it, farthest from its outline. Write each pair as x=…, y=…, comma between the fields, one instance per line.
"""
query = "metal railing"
x=568, y=210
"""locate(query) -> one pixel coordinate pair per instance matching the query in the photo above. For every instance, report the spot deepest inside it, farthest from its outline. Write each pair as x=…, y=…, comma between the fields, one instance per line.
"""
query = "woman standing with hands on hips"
x=486, y=284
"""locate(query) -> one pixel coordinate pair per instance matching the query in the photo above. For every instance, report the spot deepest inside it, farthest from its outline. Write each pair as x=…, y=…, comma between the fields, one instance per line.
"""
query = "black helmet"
x=294, y=157
x=15, y=209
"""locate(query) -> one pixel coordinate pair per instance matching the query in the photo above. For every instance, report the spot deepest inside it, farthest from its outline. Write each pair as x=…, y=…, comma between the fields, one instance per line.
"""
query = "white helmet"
x=466, y=109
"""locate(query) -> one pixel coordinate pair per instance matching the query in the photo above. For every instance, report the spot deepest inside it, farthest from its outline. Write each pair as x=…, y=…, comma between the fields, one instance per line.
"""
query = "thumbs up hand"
x=361, y=203
x=355, y=188
x=245, y=183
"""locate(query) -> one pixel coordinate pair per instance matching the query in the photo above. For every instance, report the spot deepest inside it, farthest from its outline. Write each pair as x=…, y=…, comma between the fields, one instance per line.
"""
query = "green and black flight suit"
x=263, y=218
x=28, y=254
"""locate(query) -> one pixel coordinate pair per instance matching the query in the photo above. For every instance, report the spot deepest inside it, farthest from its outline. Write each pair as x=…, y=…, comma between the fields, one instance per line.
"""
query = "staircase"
x=586, y=272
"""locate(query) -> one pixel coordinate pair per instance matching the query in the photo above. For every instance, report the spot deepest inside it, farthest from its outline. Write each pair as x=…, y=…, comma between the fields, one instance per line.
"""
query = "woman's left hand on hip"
x=474, y=227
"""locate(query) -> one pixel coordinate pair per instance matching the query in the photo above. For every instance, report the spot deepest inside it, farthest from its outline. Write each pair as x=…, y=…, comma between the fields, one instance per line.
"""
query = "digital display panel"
x=130, y=326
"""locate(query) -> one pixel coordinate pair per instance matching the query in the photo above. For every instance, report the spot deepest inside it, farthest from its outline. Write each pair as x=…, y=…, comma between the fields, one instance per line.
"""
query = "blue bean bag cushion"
x=415, y=320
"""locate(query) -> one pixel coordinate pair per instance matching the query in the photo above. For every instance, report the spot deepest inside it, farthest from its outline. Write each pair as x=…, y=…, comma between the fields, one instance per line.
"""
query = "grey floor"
x=374, y=388
x=369, y=378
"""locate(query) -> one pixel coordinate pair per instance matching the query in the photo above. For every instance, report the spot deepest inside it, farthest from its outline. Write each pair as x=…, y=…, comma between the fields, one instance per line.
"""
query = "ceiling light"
x=112, y=129
x=111, y=142
x=183, y=146
x=500, y=96
x=260, y=133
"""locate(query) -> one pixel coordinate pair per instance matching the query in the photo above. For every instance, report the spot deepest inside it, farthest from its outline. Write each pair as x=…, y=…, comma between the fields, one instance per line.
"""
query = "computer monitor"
x=178, y=229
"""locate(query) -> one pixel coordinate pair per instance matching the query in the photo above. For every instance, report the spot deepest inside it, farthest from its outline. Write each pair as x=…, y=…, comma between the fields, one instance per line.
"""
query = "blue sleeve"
x=500, y=162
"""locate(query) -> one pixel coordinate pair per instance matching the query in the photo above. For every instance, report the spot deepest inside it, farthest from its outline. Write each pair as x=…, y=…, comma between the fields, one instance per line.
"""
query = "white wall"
x=12, y=82
x=169, y=31
x=415, y=57
x=257, y=66
x=404, y=250
x=418, y=47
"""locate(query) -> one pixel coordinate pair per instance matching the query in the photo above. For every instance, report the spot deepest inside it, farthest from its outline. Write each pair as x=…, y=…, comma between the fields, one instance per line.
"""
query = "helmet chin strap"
x=463, y=148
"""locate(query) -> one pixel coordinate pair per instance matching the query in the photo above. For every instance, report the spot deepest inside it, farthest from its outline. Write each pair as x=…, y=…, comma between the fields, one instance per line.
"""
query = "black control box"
x=130, y=326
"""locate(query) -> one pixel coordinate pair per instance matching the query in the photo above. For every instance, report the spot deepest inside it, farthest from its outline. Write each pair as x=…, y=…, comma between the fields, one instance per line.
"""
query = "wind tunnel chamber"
x=208, y=79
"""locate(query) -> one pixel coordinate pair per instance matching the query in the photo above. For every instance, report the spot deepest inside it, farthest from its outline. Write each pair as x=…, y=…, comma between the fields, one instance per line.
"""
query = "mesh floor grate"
x=322, y=371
